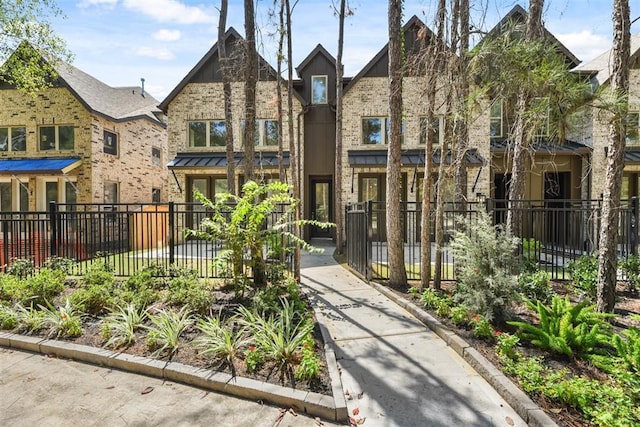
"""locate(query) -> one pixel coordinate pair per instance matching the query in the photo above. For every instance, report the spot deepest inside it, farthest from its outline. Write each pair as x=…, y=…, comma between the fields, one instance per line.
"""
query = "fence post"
x=634, y=225
x=53, y=226
x=369, y=237
x=172, y=226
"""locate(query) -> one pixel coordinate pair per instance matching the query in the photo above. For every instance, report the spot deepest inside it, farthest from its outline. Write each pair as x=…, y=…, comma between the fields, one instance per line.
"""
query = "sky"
x=121, y=41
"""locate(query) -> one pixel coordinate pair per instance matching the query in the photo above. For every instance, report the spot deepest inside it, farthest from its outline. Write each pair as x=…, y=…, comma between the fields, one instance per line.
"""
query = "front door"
x=321, y=206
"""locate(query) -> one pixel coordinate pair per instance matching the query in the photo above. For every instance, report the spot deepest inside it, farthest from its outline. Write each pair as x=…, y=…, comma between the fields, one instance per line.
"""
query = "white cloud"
x=105, y=3
x=585, y=44
x=161, y=53
x=170, y=11
x=167, y=35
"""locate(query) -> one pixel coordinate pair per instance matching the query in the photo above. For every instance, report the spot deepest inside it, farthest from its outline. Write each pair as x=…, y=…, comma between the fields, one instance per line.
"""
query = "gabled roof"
x=413, y=22
x=518, y=14
x=115, y=103
x=600, y=67
x=318, y=50
x=230, y=35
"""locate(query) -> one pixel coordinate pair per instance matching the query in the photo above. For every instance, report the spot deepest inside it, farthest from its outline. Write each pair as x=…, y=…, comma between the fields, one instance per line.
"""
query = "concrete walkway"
x=394, y=370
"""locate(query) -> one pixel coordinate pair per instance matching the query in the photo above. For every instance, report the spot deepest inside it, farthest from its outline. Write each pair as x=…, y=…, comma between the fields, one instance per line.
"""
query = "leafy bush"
x=431, y=298
x=60, y=263
x=506, y=346
x=531, y=248
x=63, y=321
x=164, y=336
x=92, y=299
x=44, y=286
x=310, y=365
x=120, y=326
x=21, y=267
x=99, y=274
x=223, y=340
x=535, y=286
x=268, y=300
x=628, y=347
x=485, y=262
x=565, y=328
x=12, y=288
x=459, y=315
x=631, y=267
x=149, y=277
x=186, y=289
x=253, y=358
x=482, y=329
x=584, y=274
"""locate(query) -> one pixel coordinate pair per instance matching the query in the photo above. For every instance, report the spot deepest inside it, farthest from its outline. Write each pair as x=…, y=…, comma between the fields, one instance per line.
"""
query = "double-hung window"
x=633, y=128
x=13, y=138
x=56, y=138
x=495, y=119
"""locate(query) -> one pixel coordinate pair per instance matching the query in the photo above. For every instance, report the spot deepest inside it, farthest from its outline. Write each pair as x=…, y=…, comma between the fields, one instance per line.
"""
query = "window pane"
x=5, y=197
x=19, y=139
x=632, y=127
x=110, y=192
x=271, y=132
x=24, y=198
x=47, y=138
x=197, y=134
x=495, y=124
x=319, y=90
x=155, y=195
x=220, y=185
x=218, y=134
x=51, y=191
x=372, y=131
x=156, y=158
x=70, y=193
x=4, y=139
x=369, y=189
x=110, y=143
x=65, y=133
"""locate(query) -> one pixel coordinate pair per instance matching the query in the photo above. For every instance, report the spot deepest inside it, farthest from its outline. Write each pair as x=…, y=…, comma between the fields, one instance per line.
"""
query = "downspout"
x=304, y=111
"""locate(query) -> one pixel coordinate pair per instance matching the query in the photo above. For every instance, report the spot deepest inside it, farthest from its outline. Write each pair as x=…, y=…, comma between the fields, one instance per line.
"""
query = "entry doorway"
x=321, y=205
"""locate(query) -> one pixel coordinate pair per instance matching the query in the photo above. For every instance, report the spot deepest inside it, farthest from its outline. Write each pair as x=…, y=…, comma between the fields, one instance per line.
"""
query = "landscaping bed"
x=267, y=334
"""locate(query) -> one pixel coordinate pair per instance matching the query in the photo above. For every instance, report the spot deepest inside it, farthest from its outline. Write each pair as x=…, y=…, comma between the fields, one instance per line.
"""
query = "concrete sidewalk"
x=394, y=370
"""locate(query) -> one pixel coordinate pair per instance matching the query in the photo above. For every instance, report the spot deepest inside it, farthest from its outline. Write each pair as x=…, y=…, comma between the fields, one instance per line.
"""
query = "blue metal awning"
x=39, y=166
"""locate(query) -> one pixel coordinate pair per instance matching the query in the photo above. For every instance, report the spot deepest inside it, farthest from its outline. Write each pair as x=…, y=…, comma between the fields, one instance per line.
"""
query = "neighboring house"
x=599, y=69
x=80, y=141
x=197, y=129
x=556, y=169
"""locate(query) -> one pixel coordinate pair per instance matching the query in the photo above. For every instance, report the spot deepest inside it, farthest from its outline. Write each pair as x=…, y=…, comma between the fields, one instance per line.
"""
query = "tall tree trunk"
x=461, y=128
x=226, y=85
x=397, y=271
x=534, y=30
x=250, y=79
x=281, y=34
x=607, y=256
x=337, y=185
x=444, y=129
x=294, y=155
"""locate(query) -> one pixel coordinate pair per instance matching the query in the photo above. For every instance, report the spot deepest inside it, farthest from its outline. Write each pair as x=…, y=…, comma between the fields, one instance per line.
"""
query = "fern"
x=565, y=328
x=628, y=348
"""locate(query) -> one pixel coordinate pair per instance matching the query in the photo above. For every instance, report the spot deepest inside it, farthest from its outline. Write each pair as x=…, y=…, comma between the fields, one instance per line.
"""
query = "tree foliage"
x=26, y=37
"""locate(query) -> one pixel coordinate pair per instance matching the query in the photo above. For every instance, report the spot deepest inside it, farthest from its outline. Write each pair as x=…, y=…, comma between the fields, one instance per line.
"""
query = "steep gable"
x=600, y=66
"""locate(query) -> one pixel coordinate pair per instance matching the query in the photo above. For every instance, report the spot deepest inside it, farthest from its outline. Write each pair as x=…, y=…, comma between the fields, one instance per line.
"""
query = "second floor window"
x=13, y=138
x=110, y=143
x=56, y=138
x=156, y=156
x=318, y=89
x=375, y=130
x=211, y=133
x=495, y=119
x=266, y=133
x=434, y=129
x=633, y=127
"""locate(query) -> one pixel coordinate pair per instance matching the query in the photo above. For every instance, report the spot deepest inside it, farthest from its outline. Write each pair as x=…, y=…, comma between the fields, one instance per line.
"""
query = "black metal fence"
x=554, y=233
x=129, y=237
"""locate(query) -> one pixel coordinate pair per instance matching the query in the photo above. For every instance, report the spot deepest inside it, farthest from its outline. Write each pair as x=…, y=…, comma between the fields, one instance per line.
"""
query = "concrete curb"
x=313, y=404
x=519, y=401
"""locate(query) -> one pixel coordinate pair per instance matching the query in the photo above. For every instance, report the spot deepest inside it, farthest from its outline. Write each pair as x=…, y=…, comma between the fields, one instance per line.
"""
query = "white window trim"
x=326, y=89
x=41, y=189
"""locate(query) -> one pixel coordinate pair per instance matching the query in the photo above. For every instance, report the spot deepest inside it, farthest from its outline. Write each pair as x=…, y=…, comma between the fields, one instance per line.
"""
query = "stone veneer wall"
x=205, y=101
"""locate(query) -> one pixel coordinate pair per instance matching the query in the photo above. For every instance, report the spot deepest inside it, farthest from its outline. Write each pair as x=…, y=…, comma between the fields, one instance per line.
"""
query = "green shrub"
x=92, y=299
x=44, y=286
x=584, y=275
x=531, y=248
x=149, y=277
x=535, y=286
x=63, y=322
x=222, y=339
x=187, y=289
x=12, y=288
x=459, y=315
x=268, y=300
x=506, y=346
x=21, y=267
x=565, y=328
x=253, y=358
x=60, y=263
x=485, y=264
x=99, y=274
x=631, y=267
x=431, y=298
x=29, y=319
x=628, y=347
x=482, y=328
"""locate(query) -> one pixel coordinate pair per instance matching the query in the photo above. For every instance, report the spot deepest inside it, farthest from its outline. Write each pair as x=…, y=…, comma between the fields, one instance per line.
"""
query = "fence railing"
x=554, y=233
x=128, y=237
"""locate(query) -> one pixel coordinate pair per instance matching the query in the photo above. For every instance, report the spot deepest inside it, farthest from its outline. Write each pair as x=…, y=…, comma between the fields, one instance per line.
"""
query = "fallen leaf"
x=110, y=387
x=361, y=421
x=356, y=411
x=556, y=410
x=509, y=420
x=147, y=390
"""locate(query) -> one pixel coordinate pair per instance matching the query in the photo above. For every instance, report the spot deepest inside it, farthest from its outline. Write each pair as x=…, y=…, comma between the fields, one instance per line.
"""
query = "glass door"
x=321, y=206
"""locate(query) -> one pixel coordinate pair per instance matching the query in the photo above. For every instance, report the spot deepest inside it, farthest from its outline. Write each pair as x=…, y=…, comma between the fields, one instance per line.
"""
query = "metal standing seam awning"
x=412, y=157
x=57, y=165
x=219, y=160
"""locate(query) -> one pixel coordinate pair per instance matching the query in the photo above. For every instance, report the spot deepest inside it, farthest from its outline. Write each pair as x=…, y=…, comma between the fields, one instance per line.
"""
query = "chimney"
x=142, y=81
